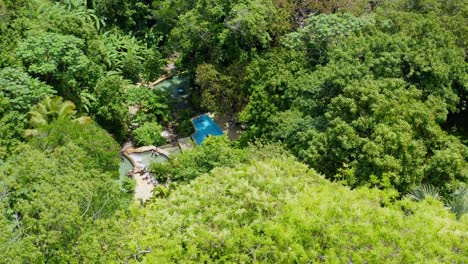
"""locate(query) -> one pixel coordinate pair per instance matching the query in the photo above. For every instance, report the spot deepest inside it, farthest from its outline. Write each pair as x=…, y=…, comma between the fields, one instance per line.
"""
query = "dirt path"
x=143, y=189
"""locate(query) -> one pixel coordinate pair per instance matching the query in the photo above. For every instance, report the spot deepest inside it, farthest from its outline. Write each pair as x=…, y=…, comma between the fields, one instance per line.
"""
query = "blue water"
x=205, y=126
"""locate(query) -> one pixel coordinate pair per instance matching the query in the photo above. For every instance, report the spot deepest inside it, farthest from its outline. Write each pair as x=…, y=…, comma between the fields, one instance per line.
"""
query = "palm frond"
x=37, y=119
x=42, y=109
x=422, y=191
x=83, y=120
x=87, y=100
x=66, y=109
x=55, y=108
x=458, y=201
x=30, y=133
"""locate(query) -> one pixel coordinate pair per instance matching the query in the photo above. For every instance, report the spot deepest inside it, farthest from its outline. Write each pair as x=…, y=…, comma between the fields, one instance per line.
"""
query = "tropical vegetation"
x=352, y=117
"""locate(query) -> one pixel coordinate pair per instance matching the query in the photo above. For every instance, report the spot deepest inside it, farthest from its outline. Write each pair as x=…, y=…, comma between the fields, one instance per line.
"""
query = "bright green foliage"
x=368, y=109
x=18, y=93
x=48, y=208
x=130, y=57
x=250, y=22
x=161, y=191
x=70, y=17
x=322, y=31
x=59, y=60
x=8, y=11
x=20, y=90
x=128, y=185
x=62, y=43
x=452, y=13
x=374, y=100
x=167, y=13
x=153, y=105
x=153, y=64
x=214, y=152
x=101, y=148
x=337, y=6
x=223, y=31
x=12, y=127
x=108, y=102
x=278, y=211
x=149, y=134
x=107, y=242
x=51, y=109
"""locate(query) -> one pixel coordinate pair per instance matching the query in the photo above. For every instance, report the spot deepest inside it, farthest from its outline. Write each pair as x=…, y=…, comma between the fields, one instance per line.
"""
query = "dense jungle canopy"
x=354, y=142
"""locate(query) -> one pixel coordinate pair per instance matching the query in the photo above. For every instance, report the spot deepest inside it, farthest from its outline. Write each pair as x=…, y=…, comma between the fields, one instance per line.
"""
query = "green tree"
x=99, y=146
x=50, y=109
x=279, y=211
x=109, y=104
x=130, y=15
x=20, y=90
x=51, y=205
x=370, y=112
x=216, y=87
x=18, y=93
x=129, y=56
x=215, y=152
x=68, y=17
x=268, y=78
x=149, y=134
x=322, y=31
x=223, y=32
x=12, y=127
x=167, y=13
x=59, y=60
x=152, y=104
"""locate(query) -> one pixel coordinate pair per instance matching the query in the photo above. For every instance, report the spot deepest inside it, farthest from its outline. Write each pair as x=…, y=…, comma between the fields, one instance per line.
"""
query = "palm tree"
x=422, y=191
x=50, y=109
x=77, y=8
x=458, y=202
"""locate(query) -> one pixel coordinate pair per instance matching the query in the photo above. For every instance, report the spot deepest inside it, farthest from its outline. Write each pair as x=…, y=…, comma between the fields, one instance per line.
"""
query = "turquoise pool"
x=205, y=126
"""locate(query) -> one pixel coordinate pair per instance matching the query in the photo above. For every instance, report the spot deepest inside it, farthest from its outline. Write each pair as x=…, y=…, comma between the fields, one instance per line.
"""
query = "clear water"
x=125, y=166
x=173, y=85
x=142, y=160
x=205, y=126
x=145, y=158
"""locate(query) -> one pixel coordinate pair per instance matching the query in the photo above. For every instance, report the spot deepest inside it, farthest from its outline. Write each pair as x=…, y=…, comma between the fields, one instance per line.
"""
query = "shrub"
x=153, y=105
x=128, y=185
x=215, y=152
x=149, y=134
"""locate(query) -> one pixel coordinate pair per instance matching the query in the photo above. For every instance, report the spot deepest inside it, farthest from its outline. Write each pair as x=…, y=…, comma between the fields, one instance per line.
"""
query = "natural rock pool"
x=144, y=187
